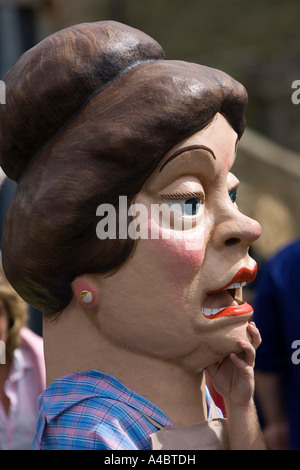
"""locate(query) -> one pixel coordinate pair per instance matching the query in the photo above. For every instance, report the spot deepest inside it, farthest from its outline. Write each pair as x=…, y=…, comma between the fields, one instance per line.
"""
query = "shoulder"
x=87, y=414
x=288, y=254
x=95, y=423
x=282, y=266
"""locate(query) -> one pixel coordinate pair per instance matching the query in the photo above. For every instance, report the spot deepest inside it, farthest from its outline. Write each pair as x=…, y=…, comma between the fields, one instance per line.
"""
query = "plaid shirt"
x=93, y=410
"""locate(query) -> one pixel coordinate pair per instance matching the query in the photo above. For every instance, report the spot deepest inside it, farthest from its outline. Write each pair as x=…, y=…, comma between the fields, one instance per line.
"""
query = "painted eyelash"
x=235, y=188
x=181, y=195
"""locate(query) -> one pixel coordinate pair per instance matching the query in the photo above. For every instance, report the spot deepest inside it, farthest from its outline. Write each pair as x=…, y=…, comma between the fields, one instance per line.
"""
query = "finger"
x=255, y=334
x=238, y=361
x=248, y=353
x=241, y=363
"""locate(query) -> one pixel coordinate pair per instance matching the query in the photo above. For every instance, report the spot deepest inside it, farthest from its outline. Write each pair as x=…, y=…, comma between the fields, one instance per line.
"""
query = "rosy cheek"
x=183, y=255
x=189, y=253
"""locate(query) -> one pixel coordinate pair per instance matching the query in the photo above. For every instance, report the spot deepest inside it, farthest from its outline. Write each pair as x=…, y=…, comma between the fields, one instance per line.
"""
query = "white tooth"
x=206, y=311
x=237, y=285
x=211, y=311
x=233, y=286
x=216, y=310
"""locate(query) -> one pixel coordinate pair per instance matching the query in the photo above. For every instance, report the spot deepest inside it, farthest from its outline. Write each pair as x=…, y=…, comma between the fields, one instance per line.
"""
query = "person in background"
x=277, y=370
x=22, y=372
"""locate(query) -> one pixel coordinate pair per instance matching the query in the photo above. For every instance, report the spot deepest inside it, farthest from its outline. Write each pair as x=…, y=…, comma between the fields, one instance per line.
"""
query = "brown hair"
x=87, y=120
x=17, y=312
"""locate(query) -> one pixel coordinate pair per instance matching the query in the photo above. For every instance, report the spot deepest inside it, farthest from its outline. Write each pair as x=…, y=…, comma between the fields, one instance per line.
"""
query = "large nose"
x=234, y=228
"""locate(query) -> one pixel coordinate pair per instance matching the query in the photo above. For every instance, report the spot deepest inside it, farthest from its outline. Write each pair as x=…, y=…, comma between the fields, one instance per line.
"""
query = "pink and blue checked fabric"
x=93, y=410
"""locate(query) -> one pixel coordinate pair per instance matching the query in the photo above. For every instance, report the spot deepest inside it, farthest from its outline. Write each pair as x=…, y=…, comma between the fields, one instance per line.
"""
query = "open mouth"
x=226, y=302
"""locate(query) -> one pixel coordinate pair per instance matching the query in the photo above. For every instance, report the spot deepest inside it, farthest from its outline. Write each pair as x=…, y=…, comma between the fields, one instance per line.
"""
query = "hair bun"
x=80, y=60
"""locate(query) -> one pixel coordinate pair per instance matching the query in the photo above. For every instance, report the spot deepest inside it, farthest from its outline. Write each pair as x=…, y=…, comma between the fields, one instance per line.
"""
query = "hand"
x=233, y=377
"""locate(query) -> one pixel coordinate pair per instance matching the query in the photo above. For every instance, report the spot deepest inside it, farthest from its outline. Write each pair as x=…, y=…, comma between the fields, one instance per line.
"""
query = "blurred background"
x=257, y=42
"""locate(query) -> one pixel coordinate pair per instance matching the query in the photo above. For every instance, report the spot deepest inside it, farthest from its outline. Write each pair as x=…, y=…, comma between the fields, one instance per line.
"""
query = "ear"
x=86, y=291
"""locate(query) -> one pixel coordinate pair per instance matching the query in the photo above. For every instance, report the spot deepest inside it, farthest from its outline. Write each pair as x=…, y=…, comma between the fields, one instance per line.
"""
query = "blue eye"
x=233, y=195
x=185, y=206
x=192, y=206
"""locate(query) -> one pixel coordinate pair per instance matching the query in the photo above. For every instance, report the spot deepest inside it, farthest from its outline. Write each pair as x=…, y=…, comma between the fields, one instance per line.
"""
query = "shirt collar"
x=73, y=388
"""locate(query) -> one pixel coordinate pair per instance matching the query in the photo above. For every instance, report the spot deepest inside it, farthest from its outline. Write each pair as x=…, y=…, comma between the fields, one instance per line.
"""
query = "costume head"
x=90, y=113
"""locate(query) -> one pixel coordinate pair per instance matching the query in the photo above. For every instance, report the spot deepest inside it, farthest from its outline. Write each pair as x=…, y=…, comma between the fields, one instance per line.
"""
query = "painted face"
x=179, y=295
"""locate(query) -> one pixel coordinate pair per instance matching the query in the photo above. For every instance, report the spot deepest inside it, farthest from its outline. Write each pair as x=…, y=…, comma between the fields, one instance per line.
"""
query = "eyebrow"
x=187, y=149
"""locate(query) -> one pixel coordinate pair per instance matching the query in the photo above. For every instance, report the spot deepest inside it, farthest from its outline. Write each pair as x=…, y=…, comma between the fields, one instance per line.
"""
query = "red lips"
x=243, y=275
x=240, y=307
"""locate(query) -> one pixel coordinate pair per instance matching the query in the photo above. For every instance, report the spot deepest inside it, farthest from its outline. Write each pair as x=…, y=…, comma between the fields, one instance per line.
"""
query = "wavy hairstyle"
x=90, y=113
x=17, y=312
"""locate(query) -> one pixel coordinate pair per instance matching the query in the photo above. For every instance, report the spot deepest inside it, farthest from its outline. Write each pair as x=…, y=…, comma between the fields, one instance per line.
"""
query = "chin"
x=238, y=333
x=229, y=343
x=217, y=344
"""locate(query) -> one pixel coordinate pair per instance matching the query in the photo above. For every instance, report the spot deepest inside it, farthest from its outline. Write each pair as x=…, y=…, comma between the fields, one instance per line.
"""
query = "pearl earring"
x=86, y=296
